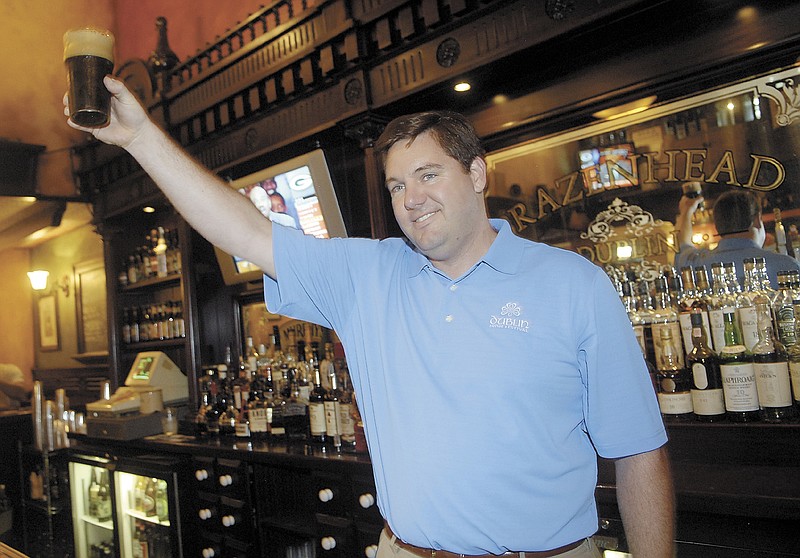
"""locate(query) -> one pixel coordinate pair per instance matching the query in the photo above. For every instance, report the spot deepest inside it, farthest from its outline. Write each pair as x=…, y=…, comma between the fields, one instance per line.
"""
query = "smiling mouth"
x=424, y=217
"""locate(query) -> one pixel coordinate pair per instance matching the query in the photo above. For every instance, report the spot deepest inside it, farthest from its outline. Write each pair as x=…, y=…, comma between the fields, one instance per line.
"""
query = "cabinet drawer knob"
x=201, y=474
x=204, y=514
x=328, y=543
x=225, y=480
x=366, y=500
x=229, y=521
x=371, y=551
x=209, y=552
x=325, y=495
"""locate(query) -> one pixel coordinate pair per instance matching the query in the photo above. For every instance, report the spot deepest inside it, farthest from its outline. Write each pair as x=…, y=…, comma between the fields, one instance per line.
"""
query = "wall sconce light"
x=39, y=278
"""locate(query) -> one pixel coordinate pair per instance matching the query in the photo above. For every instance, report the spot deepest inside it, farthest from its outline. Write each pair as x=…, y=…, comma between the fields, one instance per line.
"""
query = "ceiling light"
x=462, y=86
x=149, y=209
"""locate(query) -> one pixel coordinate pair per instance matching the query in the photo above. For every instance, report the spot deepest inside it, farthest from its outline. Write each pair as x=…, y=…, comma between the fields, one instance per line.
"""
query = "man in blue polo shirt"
x=490, y=370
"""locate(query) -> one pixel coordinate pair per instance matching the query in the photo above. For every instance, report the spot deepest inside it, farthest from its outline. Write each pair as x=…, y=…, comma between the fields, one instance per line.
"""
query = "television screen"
x=606, y=167
x=297, y=193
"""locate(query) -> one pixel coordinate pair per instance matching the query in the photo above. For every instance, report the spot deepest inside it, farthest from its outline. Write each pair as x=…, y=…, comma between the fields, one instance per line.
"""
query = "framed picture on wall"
x=48, y=323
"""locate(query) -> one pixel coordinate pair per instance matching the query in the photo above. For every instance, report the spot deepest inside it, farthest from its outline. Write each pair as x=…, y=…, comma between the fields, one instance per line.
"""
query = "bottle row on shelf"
x=154, y=322
x=718, y=350
x=159, y=256
x=277, y=396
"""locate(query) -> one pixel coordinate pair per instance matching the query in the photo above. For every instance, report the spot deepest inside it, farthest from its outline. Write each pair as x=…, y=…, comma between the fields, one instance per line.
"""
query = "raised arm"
x=683, y=223
x=219, y=213
x=647, y=503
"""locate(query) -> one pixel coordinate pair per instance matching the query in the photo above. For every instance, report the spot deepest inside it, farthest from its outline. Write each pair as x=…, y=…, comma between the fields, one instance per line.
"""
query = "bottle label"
x=699, y=375
x=332, y=414
x=794, y=368
x=749, y=321
x=316, y=418
x=739, y=385
x=258, y=420
x=346, y=421
x=708, y=401
x=242, y=429
x=772, y=382
x=675, y=403
x=717, y=325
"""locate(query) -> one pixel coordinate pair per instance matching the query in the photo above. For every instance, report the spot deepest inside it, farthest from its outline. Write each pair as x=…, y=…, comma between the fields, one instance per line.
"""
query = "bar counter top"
x=746, y=470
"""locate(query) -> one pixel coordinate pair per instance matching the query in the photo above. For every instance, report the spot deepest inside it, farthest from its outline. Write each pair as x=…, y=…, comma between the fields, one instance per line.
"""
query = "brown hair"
x=454, y=134
x=735, y=210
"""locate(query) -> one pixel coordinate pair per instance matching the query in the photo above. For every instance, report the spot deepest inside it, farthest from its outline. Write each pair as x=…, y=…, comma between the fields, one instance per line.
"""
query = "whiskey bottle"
x=251, y=356
x=721, y=297
x=708, y=399
x=745, y=305
x=104, y=498
x=794, y=358
x=771, y=365
x=674, y=386
x=738, y=374
x=94, y=489
x=242, y=428
x=333, y=414
x=347, y=412
x=665, y=317
x=316, y=408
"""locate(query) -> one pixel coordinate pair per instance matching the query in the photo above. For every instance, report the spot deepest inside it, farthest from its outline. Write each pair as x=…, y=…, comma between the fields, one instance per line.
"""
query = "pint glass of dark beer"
x=88, y=56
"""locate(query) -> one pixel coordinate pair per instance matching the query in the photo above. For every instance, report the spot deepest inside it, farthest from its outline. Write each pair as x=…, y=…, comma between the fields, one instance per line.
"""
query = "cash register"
x=129, y=412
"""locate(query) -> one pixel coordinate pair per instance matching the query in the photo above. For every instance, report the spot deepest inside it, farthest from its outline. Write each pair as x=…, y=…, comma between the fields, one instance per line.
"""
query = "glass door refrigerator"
x=92, y=498
x=148, y=514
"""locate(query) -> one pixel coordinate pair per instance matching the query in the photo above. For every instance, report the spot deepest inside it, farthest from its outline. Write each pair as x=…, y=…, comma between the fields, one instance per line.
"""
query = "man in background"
x=737, y=218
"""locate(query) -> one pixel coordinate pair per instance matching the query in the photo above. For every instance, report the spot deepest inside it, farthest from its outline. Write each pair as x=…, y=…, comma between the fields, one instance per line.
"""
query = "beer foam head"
x=89, y=42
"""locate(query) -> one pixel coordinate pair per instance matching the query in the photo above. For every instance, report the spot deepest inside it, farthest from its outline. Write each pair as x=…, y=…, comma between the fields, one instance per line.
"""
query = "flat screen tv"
x=299, y=192
x=607, y=167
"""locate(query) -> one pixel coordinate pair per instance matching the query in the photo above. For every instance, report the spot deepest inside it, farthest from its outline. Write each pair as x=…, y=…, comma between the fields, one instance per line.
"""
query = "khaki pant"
x=388, y=549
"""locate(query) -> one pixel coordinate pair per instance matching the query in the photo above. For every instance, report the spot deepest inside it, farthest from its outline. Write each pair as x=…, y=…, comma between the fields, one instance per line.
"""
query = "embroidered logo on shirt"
x=509, y=318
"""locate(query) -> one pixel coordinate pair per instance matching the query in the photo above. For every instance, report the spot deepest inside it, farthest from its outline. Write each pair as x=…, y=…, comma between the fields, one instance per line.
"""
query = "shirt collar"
x=737, y=243
x=504, y=255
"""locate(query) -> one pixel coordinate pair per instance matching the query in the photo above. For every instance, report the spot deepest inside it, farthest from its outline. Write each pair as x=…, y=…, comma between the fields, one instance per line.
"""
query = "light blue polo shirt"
x=484, y=397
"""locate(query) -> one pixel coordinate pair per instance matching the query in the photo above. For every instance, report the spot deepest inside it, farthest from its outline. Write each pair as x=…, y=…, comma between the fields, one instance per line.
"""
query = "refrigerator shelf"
x=148, y=518
x=94, y=521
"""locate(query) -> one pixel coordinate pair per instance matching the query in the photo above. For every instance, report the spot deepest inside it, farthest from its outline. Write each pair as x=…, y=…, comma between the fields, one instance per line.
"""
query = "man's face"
x=437, y=204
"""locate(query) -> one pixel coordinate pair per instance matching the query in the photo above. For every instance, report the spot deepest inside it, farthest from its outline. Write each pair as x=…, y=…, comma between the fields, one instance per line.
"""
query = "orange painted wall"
x=190, y=23
x=16, y=316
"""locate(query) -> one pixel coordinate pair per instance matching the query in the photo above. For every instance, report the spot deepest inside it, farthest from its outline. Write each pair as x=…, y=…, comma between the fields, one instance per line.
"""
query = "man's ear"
x=757, y=223
x=477, y=172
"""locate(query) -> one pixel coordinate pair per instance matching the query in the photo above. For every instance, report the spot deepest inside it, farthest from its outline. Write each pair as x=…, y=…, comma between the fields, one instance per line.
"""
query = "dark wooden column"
x=366, y=129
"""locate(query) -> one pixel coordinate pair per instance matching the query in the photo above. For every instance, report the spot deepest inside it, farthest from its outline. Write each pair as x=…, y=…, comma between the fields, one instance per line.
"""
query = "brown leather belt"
x=431, y=553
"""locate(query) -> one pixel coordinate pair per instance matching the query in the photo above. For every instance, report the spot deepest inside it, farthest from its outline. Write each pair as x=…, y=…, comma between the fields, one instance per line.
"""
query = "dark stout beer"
x=88, y=56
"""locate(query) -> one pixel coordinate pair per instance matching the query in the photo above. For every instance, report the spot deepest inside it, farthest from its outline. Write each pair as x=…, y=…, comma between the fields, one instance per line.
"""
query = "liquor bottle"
x=738, y=374
x=665, y=317
x=294, y=414
x=251, y=355
x=326, y=366
x=674, y=386
x=200, y=420
x=687, y=294
x=160, y=249
x=794, y=359
x=150, y=498
x=745, y=305
x=138, y=493
x=94, y=489
x=304, y=371
x=162, y=503
x=771, y=365
x=104, y=498
x=213, y=411
x=333, y=414
x=126, y=326
x=347, y=412
x=242, y=428
x=708, y=399
x=258, y=411
x=703, y=297
x=163, y=58
x=780, y=235
x=721, y=297
x=316, y=408
x=133, y=270
x=782, y=305
x=631, y=307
